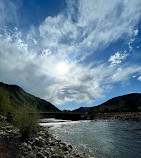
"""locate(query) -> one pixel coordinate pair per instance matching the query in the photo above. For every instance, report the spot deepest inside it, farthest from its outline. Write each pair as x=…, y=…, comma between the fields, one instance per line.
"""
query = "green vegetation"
x=18, y=97
x=26, y=120
x=5, y=106
x=126, y=103
x=20, y=108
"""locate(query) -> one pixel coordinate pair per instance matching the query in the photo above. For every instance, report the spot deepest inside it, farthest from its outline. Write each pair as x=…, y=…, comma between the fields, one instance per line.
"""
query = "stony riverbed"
x=44, y=145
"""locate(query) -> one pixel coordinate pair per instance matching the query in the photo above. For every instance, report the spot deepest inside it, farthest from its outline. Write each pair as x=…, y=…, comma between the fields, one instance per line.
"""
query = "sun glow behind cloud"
x=56, y=60
x=62, y=68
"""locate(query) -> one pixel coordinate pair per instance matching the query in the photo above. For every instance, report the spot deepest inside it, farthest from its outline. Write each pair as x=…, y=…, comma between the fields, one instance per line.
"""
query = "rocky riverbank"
x=43, y=145
x=120, y=116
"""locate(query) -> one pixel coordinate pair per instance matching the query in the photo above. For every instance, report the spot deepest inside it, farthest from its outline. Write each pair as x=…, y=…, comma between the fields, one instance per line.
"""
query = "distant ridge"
x=18, y=97
x=82, y=109
x=127, y=103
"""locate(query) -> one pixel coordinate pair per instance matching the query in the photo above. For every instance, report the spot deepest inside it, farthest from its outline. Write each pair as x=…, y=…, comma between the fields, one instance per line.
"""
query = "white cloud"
x=8, y=12
x=125, y=73
x=46, y=52
x=30, y=59
x=93, y=28
x=117, y=58
x=139, y=78
x=29, y=37
x=129, y=44
x=39, y=75
x=136, y=32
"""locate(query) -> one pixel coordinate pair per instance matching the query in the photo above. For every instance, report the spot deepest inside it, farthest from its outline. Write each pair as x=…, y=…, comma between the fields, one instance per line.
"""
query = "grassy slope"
x=19, y=97
x=125, y=103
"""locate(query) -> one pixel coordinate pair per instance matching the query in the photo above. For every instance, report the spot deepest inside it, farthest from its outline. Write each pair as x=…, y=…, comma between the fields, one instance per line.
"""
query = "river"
x=100, y=139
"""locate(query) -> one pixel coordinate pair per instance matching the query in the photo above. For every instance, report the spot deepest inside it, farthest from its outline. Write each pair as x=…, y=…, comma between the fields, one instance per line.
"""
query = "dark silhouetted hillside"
x=126, y=103
x=18, y=97
x=82, y=109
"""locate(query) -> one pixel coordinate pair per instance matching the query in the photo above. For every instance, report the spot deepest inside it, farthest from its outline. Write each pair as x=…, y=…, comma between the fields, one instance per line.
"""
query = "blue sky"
x=71, y=53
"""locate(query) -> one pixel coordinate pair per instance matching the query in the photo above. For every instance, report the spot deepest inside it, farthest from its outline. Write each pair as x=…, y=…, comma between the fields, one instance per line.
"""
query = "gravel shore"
x=43, y=145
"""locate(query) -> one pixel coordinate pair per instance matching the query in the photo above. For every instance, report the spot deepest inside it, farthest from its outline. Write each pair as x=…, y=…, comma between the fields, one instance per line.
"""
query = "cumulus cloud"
x=38, y=74
x=31, y=59
x=117, y=58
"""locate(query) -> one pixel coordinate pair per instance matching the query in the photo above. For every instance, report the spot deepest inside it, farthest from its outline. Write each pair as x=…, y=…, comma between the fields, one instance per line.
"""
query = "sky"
x=71, y=53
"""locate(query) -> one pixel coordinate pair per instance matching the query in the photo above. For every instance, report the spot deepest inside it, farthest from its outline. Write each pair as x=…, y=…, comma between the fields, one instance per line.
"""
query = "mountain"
x=81, y=110
x=126, y=103
x=18, y=97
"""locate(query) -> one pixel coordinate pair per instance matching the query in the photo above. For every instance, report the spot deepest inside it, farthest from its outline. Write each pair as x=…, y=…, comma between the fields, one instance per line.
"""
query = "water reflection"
x=107, y=139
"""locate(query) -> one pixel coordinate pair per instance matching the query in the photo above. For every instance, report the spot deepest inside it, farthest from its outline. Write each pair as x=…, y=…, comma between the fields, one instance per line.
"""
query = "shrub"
x=5, y=106
x=26, y=120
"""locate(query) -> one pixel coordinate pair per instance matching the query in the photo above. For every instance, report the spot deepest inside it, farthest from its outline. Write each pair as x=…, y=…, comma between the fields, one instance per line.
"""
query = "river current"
x=100, y=139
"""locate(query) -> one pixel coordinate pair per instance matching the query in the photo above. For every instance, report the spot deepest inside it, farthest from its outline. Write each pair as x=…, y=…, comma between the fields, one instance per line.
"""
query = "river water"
x=100, y=139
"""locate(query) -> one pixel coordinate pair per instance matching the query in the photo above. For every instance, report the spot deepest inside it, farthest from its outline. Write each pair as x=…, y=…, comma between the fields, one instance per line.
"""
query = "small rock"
x=8, y=127
x=51, y=149
x=65, y=148
x=40, y=155
x=40, y=138
x=24, y=144
x=59, y=141
x=29, y=147
x=46, y=153
x=52, y=143
x=70, y=146
x=38, y=142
